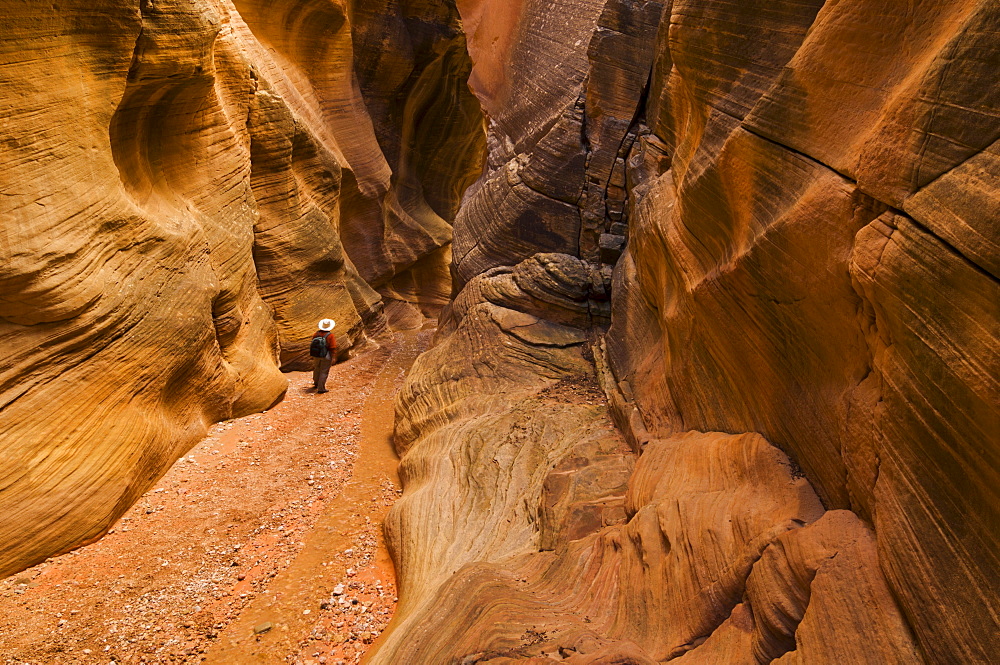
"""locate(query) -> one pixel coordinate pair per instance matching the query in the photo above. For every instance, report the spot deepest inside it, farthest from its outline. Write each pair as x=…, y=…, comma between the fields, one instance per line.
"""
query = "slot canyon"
x=666, y=331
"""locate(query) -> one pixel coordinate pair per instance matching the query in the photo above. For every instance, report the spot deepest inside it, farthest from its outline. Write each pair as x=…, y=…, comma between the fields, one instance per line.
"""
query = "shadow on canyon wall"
x=765, y=233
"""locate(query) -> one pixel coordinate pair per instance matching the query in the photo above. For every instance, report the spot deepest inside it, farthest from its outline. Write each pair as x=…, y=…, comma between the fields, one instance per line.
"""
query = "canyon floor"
x=262, y=544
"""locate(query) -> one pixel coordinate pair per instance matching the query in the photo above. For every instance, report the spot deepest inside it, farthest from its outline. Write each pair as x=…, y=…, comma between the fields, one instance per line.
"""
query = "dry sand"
x=262, y=545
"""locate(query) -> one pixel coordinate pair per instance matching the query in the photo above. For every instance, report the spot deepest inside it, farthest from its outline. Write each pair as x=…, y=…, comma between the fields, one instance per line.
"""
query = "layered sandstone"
x=808, y=196
x=529, y=531
x=764, y=233
x=186, y=187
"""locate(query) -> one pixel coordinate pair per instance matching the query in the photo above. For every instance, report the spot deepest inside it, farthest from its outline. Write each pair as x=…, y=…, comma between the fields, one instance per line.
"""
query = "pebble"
x=190, y=635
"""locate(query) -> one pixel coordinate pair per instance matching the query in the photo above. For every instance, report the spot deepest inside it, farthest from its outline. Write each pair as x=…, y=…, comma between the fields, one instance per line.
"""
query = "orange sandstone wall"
x=186, y=186
x=798, y=200
x=816, y=262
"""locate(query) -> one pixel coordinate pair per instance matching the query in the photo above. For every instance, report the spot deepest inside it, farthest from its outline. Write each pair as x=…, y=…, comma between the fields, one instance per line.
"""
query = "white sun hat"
x=327, y=325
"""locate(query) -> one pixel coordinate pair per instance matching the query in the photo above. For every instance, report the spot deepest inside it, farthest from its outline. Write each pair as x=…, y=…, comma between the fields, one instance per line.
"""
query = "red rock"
x=808, y=192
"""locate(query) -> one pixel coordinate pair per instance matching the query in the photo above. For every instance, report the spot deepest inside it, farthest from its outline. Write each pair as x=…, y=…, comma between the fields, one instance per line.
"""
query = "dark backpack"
x=319, y=348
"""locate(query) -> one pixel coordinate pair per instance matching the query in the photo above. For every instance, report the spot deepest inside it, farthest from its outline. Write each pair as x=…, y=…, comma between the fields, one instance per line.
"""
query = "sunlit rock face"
x=186, y=187
x=802, y=354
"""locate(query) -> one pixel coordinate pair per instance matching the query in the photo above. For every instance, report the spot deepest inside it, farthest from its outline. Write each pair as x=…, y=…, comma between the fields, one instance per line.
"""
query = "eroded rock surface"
x=529, y=531
x=799, y=202
x=764, y=232
x=186, y=187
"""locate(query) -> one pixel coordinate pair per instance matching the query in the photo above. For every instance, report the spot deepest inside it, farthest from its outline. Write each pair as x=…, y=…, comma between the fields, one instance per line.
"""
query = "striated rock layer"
x=186, y=187
x=799, y=201
x=529, y=532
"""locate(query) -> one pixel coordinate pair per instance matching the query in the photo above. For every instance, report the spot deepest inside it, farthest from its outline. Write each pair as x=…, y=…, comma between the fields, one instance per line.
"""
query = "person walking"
x=323, y=348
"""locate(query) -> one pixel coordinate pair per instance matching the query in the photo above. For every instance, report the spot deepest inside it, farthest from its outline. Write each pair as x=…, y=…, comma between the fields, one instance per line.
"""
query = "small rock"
x=262, y=628
x=338, y=590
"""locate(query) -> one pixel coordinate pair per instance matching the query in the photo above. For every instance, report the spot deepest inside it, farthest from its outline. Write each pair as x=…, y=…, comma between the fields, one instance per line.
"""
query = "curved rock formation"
x=798, y=199
x=524, y=534
x=789, y=294
x=186, y=186
x=719, y=380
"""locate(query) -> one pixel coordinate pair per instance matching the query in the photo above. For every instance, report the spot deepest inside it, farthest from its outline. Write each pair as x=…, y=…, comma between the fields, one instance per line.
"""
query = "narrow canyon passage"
x=715, y=378
x=263, y=544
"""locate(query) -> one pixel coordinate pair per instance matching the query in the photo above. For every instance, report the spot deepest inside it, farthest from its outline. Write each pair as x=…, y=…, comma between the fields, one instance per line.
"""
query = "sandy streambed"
x=263, y=544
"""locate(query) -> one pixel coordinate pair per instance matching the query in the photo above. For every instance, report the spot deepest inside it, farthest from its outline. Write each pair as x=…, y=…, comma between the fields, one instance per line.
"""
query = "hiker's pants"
x=321, y=370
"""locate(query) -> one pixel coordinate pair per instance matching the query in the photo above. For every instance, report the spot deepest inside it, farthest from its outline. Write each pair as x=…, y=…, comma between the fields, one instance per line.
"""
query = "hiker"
x=323, y=348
